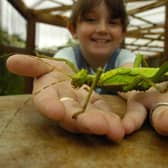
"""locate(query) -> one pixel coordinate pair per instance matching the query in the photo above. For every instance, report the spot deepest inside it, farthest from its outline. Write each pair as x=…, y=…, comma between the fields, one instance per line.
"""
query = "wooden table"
x=29, y=140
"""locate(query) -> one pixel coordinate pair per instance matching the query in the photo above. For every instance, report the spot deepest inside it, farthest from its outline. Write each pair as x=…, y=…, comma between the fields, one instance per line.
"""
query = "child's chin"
x=101, y=55
x=100, y=52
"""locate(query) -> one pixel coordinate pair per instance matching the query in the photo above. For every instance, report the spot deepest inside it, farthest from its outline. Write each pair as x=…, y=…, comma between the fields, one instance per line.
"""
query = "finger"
x=71, y=107
x=98, y=118
x=134, y=117
x=159, y=120
x=116, y=130
x=83, y=92
x=27, y=65
x=102, y=123
x=93, y=121
x=126, y=95
x=75, y=107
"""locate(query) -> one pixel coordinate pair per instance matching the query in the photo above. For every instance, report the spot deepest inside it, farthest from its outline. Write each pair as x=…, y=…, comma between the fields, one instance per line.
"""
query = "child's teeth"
x=101, y=41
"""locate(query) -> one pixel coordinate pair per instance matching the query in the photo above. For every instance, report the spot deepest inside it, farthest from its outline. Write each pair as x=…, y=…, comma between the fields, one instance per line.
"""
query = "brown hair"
x=116, y=8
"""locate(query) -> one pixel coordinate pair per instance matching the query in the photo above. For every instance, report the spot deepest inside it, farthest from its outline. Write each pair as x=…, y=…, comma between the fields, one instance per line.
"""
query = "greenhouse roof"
x=146, y=30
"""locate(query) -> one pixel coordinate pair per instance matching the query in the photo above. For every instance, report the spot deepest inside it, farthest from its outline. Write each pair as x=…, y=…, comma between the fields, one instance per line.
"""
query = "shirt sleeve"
x=125, y=56
x=66, y=53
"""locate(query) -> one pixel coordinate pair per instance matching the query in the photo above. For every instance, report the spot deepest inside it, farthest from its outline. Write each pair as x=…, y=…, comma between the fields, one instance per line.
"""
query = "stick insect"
x=120, y=79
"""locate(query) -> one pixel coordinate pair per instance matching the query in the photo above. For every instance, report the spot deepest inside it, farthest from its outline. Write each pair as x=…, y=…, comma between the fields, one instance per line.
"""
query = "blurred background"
x=31, y=26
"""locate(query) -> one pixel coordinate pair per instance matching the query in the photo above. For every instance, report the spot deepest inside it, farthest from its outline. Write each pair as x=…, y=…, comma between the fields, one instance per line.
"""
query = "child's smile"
x=100, y=40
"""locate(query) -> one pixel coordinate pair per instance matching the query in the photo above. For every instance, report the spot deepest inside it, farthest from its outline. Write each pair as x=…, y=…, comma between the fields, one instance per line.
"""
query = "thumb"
x=26, y=65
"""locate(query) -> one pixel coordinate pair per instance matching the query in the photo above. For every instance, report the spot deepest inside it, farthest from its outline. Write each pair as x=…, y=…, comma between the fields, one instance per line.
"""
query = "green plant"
x=13, y=40
x=10, y=84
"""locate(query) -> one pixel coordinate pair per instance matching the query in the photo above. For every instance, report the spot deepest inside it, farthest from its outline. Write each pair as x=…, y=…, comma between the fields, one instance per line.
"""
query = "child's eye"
x=114, y=22
x=90, y=19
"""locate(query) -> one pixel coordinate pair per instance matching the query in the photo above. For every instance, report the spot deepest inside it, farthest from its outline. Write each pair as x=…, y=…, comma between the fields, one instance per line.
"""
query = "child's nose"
x=102, y=27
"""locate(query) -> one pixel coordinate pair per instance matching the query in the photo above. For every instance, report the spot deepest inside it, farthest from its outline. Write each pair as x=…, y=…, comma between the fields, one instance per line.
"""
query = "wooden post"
x=31, y=30
x=30, y=45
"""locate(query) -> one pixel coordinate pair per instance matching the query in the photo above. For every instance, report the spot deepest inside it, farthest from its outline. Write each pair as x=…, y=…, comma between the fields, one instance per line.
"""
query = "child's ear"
x=72, y=29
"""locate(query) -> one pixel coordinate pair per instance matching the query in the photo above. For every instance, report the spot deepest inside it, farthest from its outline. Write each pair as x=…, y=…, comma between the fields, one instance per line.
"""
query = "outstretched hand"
x=139, y=104
x=56, y=98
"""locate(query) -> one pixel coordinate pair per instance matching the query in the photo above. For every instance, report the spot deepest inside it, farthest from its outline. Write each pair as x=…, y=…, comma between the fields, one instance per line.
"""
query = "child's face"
x=98, y=34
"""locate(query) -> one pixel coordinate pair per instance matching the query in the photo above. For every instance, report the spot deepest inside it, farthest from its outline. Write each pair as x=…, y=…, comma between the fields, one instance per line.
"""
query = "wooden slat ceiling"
x=147, y=31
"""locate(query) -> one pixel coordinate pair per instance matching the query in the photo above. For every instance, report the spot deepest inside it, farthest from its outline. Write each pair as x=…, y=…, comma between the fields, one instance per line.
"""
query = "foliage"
x=13, y=40
x=10, y=84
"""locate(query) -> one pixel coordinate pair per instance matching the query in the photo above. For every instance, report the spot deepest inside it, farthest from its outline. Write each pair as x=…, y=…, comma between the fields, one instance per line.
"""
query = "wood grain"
x=29, y=140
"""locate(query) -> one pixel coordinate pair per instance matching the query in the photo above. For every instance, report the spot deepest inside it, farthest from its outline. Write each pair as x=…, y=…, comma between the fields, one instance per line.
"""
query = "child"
x=100, y=27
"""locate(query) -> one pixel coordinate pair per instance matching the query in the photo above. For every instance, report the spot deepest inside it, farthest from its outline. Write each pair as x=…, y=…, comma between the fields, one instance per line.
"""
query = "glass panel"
x=42, y=4
x=12, y=26
x=49, y=38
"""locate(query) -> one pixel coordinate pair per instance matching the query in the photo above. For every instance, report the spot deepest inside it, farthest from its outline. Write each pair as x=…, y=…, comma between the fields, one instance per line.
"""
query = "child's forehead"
x=95, y=6
x=94, y=10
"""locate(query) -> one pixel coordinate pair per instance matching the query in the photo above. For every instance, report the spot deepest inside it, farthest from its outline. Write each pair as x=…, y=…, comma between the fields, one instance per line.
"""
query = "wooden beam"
x=147, y=7
x=13, y=50
x=129, y=1
x=145, y=45
x=20, y=7
x=54, y=9
x=141, y=35
x=139, y=29
x=57, y=20
x=142, y=19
